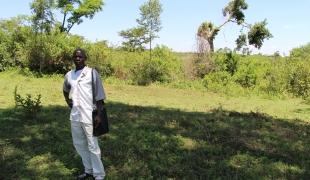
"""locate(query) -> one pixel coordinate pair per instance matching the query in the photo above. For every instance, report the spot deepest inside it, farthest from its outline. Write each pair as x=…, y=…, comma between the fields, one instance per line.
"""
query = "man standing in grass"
x=77, y=90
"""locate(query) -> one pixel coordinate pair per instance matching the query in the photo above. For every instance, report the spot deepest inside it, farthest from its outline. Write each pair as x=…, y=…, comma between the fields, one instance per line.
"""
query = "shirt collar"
x=76, y=71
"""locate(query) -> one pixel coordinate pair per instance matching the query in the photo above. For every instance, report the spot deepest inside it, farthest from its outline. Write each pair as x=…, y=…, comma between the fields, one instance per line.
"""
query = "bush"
x=219, y=77
x=13, y=39
x=299, y=79
x=163, y=67
x=5, y=60
x=231, y=62
x=202, y=65
x=273, y=79
x=149, y=71
x=122, y=62
x=52, y=53
x=97, y=57
x=301, y=53
x=30, y=106
x=245, y=76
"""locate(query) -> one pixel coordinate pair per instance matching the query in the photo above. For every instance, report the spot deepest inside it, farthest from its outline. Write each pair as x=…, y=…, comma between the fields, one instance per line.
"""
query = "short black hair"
x=81, y=50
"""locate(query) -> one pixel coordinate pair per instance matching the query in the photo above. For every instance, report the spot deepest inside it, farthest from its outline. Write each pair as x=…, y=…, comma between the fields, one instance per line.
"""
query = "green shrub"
x=202, y=65
x=97, y=57
x=231, y=62
x=219, y=77
x=30, y=106
x=298, y=82
x=163, y=67
x=171, y=61
x=301, y=53
x=122, y=62
x=5, y=60
x=273, y=79
x=14, y=35
x=52, y=53
x=149, y=71
x=246, y=76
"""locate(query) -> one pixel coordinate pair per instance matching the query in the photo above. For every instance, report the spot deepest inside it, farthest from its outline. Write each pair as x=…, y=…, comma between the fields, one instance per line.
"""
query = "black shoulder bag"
x=103, y=126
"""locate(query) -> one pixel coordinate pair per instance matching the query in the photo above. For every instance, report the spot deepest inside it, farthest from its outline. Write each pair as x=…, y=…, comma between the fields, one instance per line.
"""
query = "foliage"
x=299, y=79
x=30, y=106
x=301, y=53
x=231, y=62
x=135, y=39
x=149, y=71
x=53, y=54
x=43, y=18
x=225, y=60
x=150, y=18
x=234, y=10
x=202, y=66
x=14, y=36
x=148, y=25
x=221, y=78
x=258, y=33
x=246, y=75
x=75, y=10
x=5, y=60
x=273, y=79
x=97, y=57
x=234, y=13
x=159, y=69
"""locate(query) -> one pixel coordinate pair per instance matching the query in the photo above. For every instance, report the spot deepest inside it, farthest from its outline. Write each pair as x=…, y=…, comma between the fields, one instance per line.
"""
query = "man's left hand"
x=97, y=121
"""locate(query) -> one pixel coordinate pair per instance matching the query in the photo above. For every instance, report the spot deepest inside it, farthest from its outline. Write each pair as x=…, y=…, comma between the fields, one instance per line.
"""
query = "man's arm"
x=68, y=100
x=66, y=90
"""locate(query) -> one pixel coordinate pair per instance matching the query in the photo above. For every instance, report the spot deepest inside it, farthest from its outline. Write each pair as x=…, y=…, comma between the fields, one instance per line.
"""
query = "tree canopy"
x=148, y=25
x=75, y=10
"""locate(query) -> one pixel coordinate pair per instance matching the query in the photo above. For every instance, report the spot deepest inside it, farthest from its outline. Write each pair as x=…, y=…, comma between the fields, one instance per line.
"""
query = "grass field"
x=157, y=133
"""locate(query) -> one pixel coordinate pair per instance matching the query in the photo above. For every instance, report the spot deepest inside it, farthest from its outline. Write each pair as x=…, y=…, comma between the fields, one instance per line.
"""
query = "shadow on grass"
x=159, y=143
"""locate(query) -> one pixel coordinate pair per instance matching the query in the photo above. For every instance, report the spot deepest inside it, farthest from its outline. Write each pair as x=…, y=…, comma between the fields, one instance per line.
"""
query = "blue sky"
x=287, y=21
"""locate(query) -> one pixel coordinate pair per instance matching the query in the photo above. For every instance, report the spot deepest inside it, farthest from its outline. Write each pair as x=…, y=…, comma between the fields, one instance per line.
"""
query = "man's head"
x=79, y=57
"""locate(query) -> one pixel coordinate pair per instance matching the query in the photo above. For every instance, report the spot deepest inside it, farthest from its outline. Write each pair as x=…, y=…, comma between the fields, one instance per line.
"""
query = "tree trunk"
x=211, y=44
x=150, y=48
x=63, y=23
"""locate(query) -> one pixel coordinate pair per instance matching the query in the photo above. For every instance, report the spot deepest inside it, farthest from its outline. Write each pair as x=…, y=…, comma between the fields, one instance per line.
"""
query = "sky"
x=287, y=21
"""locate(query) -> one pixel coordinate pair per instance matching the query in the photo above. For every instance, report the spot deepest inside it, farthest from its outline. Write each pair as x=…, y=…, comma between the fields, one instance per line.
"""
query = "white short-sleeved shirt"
x=79, y=86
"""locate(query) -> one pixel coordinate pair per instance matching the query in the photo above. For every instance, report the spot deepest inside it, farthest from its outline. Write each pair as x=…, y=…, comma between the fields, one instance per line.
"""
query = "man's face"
x=79, y=59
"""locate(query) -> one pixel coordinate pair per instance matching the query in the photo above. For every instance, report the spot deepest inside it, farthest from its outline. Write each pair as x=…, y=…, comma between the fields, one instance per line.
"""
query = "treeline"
x=273, y=75
x=224, y=70
x=49, y=53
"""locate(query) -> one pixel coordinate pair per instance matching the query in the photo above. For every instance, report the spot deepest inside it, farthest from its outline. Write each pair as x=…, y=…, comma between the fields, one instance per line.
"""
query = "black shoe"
x=85, y=176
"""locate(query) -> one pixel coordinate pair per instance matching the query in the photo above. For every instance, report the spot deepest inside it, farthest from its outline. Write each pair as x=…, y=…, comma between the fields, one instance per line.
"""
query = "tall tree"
x=150, y=19
x=234, y=13
x=43, y=17
x=42, y=22
x=205, y=37
x=75, y=10
x=136, y=38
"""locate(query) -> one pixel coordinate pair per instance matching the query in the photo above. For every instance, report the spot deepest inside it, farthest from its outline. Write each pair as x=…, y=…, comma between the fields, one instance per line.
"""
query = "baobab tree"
x=233, y=12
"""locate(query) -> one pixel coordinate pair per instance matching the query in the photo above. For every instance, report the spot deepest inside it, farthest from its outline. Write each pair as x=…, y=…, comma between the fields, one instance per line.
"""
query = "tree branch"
x=63, y=22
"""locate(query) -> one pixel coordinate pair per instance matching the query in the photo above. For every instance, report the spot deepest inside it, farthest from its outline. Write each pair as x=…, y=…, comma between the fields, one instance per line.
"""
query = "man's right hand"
x=70, y=103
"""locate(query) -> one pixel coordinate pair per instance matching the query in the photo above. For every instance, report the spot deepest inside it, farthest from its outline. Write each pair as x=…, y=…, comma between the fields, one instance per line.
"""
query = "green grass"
x=157, y=133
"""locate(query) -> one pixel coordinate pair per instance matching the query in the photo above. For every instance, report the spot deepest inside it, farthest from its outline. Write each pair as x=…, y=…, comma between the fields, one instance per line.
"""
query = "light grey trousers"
x=87, y=147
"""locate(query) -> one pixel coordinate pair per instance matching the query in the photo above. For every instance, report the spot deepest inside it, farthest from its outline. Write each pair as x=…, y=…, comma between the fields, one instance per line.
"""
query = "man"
x=77, y=90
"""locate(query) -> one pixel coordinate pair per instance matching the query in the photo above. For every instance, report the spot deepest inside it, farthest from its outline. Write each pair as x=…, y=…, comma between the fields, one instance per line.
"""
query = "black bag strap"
x=92, y=86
